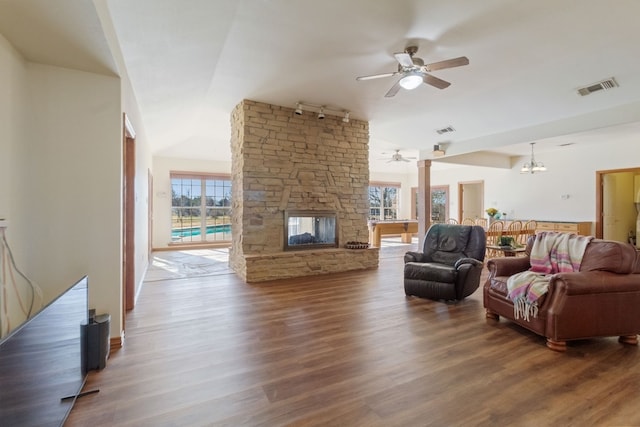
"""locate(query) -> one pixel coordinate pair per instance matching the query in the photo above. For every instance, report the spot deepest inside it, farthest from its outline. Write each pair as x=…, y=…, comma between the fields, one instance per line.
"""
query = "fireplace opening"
x=310, y=230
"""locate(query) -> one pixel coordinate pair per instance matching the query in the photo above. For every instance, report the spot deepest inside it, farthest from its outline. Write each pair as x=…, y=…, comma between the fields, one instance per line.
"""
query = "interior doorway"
x=128, y=223
x=470, y=200
x=617, y=204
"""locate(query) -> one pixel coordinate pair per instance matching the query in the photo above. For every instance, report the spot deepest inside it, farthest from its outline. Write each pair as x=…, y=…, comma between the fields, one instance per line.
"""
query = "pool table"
x=405, y=228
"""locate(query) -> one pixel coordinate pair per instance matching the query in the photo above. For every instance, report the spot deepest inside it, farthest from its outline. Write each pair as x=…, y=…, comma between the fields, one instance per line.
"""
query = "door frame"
x=128, y=211
x=461, y=185
x=599, y=196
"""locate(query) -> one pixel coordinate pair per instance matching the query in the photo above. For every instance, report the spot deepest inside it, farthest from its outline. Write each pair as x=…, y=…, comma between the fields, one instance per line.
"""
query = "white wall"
x=60, y=151
x=542, y=196
x=13, y=85
x=571, y=172
x=162, y=166
x=70, y=189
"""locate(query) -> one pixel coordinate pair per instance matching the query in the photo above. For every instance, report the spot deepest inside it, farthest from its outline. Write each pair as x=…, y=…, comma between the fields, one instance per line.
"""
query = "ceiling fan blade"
x=436, y=82
x=404, y=159
x=394, y=89
x=376, y=76
x=404, y=59
x=449, y=63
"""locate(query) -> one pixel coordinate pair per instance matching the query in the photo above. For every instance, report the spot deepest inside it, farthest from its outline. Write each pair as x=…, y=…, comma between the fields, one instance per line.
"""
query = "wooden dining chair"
x=482, y=222
x=452, y=221
x=493, y=234
x=513, y=230
x=528, y=229
x=468, y=221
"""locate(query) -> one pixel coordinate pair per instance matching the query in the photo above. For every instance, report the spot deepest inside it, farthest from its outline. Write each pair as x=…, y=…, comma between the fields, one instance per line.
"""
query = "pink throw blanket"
x=551, y=253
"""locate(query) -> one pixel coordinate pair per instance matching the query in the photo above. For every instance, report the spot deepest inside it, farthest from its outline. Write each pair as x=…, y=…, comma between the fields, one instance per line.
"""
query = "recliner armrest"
x=472, y=261
x=414, y=257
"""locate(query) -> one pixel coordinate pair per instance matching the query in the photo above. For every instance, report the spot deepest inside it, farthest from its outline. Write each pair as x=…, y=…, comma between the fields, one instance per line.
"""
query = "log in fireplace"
x=308, y=229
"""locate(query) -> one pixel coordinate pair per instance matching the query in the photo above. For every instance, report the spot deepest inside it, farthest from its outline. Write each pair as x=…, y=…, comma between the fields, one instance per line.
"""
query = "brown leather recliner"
x=450, y=265
x=601, y=300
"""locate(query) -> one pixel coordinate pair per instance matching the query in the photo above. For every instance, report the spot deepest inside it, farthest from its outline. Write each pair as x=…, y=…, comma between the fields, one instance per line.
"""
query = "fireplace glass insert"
x=310, y=230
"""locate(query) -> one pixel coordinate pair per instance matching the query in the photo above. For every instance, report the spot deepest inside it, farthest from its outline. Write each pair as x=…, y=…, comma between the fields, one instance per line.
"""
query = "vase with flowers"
x=493, y=214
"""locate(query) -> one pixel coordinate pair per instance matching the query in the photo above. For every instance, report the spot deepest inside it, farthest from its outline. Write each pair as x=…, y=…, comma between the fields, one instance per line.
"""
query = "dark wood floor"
x=349, y=350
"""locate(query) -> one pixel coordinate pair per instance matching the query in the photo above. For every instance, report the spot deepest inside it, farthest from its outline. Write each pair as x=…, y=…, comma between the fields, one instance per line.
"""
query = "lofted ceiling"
x=191, y=61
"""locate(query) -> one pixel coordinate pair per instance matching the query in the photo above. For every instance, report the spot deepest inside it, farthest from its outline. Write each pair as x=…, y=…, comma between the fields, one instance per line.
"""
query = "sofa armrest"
x=507, y=266
x=595, y=282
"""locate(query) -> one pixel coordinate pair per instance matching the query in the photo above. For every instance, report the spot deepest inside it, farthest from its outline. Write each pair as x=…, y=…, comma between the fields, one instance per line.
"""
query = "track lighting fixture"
x=321, y=109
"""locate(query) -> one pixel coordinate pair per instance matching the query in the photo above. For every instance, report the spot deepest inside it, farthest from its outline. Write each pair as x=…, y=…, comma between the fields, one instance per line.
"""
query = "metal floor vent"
x=601, y=85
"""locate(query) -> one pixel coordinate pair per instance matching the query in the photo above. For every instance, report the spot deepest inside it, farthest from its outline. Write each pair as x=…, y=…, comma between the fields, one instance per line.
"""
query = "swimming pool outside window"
x=200, y=208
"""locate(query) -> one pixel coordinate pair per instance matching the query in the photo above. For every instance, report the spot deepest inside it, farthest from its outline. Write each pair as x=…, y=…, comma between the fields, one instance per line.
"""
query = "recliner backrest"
x=447, y=243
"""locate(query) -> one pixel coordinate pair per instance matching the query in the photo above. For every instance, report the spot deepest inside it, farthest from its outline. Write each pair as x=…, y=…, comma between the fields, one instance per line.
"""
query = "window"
x=439, y=203
x=200, y=208
x=383, y=201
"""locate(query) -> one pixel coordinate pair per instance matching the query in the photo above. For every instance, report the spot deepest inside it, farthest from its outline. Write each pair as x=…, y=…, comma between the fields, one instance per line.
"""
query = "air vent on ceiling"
x=445, y=130
x=602, y=85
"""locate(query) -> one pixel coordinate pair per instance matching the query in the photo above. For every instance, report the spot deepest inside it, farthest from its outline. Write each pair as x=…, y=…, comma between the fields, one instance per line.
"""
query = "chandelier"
x=532, y=166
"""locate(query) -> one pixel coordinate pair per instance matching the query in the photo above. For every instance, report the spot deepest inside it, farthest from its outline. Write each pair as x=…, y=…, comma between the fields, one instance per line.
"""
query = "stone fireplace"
x=297, y=166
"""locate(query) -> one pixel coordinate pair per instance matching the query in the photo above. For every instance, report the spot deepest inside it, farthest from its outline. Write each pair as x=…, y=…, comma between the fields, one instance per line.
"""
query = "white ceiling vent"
x=445, y=130
x=601, y=85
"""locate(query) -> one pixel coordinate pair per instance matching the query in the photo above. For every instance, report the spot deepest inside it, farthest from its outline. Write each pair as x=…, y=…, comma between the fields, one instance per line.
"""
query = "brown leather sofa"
x=601, y=300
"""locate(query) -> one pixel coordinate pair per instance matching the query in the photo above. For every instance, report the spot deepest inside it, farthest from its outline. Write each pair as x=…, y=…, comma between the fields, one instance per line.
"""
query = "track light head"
x=346, y=117
x=321, y=113
x=298, y=109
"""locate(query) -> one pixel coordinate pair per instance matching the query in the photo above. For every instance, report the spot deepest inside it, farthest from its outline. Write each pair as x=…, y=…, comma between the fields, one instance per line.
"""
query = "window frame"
x=204, y=207
x=383, y=213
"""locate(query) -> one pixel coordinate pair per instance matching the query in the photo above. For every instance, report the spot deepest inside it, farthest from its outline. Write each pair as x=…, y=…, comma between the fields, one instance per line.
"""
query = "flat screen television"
x=43, y=362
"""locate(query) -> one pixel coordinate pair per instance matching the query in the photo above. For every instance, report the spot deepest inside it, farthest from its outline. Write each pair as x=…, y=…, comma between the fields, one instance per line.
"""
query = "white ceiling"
x=191, y=61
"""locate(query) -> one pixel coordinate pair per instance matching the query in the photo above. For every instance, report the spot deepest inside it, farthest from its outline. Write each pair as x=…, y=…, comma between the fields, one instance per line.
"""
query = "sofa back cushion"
x=608, y=255
x=605, y=255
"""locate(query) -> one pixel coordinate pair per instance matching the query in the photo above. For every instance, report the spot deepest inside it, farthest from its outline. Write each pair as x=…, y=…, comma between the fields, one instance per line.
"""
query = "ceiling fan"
x=414, y=71
x=397, y=157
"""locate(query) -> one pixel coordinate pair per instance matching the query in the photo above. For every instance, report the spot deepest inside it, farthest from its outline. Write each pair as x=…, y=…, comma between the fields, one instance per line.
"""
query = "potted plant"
x=506, y=241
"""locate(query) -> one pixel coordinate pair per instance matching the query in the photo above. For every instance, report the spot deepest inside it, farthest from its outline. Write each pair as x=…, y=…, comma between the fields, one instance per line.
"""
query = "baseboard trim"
x=182, y=246
x=116, y=343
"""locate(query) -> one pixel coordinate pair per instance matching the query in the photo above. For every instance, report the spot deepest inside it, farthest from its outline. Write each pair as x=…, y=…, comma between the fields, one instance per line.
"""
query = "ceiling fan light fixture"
x=411, y=81
x=532, y=166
